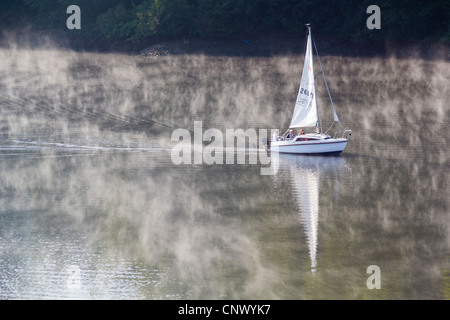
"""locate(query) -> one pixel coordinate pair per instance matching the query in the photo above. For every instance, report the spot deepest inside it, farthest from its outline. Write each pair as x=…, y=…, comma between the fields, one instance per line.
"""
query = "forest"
x=125, y=23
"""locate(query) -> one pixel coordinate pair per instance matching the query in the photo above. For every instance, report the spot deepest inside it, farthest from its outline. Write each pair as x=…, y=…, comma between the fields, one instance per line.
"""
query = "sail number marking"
x=306, y=92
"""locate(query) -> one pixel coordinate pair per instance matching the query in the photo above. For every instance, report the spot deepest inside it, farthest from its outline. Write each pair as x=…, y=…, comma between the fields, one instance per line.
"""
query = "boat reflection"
x=305, y=174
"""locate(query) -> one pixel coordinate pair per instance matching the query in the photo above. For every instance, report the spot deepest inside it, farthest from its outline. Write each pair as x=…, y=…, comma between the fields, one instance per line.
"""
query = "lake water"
x=93, y=207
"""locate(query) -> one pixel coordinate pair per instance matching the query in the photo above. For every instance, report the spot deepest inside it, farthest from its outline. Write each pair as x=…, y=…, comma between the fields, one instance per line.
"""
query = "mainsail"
x=305, y=112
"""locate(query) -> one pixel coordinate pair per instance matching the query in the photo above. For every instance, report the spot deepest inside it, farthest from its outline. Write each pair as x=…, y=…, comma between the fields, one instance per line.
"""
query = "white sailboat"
x=306, y=115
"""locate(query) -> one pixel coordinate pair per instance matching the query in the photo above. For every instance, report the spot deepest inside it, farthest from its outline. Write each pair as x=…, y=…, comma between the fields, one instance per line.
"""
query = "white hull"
x=330, y=145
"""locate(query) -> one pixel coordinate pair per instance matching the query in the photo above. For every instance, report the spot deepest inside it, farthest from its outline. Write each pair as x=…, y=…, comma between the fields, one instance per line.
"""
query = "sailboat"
x=306, y=115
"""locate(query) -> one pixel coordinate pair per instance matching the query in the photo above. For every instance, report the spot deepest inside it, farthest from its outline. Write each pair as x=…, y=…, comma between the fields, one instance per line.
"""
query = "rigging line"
x=326, y=132
x=326, y=84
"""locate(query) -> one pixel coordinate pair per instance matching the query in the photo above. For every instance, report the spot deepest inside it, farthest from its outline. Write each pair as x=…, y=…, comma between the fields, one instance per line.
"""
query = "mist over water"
x=93, y=207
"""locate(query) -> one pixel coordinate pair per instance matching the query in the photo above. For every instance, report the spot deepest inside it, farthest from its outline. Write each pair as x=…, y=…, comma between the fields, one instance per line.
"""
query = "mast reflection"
x=305, y=174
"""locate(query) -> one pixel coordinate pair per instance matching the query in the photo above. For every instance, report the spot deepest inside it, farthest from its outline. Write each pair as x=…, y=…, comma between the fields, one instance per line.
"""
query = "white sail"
x=305, y=112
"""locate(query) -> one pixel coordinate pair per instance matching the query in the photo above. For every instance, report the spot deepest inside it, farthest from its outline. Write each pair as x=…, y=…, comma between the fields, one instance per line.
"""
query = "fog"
x=119, y=99
x=85, y=160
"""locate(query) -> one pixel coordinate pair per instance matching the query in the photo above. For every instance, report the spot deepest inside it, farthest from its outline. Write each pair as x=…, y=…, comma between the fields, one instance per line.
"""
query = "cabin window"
x=305, y=139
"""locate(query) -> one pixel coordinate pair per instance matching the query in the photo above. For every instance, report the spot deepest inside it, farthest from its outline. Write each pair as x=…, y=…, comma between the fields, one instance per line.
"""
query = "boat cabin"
x=311, y=137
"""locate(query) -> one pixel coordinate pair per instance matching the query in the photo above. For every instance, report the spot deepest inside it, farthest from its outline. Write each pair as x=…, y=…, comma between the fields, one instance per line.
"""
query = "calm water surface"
x=92, y=206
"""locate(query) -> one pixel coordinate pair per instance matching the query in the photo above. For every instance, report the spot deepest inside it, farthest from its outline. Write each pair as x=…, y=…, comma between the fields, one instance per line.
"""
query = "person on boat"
x=276, y=136
x=290, y=135
x=301, y=132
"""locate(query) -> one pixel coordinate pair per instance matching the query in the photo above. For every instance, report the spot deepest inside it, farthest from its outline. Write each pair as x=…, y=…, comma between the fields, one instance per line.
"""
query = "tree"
x=117, y=23
x=162, y=18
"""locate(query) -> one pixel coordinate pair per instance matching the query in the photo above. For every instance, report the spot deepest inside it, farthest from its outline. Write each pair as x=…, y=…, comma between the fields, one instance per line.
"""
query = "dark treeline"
x=149, y=21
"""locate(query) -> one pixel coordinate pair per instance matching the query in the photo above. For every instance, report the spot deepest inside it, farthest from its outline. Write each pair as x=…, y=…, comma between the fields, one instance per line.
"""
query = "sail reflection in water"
x=305, y=174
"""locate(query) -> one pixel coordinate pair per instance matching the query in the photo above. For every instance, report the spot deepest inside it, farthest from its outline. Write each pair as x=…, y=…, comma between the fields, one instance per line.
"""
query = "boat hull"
x=310, y=147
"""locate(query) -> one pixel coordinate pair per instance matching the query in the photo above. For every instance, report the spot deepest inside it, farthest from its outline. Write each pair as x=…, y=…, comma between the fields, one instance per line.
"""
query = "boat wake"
x=22, y=146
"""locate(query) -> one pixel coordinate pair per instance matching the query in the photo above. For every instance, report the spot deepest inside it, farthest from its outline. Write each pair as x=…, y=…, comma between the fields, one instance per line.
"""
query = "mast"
x=318, y=129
